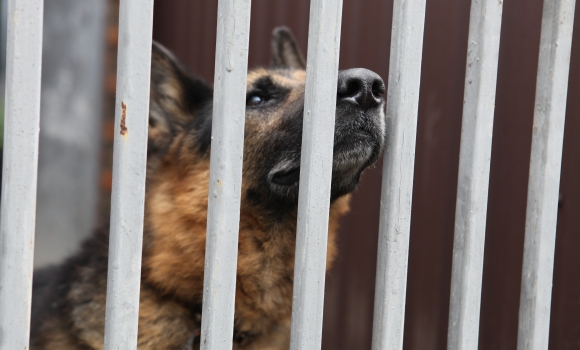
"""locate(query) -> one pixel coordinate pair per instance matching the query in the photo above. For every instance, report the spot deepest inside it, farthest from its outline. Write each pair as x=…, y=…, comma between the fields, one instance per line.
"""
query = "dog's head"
x=181, y=112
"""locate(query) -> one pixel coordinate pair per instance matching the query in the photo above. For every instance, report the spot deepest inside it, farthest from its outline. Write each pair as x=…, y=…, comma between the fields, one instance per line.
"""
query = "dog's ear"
x=285, y=51
x=176, y=96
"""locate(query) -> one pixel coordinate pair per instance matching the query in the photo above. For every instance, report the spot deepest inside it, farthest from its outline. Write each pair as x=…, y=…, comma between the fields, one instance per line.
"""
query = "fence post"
x=473, y=180
x=129, y=167
x=315, y=173
x=398, y=168
x=544, y=181
x=20, y=166
x=223, y=219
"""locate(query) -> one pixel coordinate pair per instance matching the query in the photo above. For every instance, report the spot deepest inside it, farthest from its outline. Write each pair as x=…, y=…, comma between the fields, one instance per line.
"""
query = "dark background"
x=188, y=28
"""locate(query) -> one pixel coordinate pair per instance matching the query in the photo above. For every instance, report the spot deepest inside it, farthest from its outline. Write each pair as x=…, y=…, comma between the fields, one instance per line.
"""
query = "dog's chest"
x=264, y=283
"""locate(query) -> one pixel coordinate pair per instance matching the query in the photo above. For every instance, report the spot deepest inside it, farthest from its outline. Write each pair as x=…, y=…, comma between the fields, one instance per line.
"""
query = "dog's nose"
x=360, y=87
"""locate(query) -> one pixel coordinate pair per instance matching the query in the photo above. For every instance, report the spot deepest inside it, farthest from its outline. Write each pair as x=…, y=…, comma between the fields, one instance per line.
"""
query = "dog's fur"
x=69, y=300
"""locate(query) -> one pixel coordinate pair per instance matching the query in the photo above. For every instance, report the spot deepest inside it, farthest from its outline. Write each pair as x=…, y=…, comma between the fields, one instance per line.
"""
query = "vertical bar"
x=21, y=128
x=129, y=164
x=473, y=181
x=544, y=181
x=315, y=174
x=229, y=105
x=397, y=184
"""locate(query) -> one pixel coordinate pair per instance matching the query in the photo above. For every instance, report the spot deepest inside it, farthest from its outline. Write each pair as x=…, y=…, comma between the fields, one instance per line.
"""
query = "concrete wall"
x=71, y=111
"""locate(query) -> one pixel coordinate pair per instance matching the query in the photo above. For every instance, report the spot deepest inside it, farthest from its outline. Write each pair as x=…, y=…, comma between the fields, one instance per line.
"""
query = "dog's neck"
x=175, y=241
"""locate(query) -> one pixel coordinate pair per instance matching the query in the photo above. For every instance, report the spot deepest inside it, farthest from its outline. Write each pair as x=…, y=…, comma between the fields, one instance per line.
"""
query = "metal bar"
x=315, y=174
x=474, y=162
x=229, y=103
x=129, y=164
x=398, y=168
x=22, y=117
x=544, y=181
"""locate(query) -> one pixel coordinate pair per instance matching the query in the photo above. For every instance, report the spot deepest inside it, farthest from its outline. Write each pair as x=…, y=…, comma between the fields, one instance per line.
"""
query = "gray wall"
x=70, y=129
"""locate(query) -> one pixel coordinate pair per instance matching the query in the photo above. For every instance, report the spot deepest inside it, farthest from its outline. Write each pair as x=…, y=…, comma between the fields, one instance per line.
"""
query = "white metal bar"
x=22, y=116
x=129, y=164
x=473, y=181
x=229, y=103
x=398, y=169
x=544, y=181
x=315, y=174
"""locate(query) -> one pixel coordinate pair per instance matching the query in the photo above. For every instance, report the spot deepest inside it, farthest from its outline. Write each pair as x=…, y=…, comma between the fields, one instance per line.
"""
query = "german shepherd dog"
x=69, y=299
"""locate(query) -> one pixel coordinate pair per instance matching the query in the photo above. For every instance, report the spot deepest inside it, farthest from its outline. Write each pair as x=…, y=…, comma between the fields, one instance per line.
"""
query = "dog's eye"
x=255, y=100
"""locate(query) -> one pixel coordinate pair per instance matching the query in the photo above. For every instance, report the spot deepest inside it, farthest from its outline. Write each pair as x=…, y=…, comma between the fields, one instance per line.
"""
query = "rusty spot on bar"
x=123, y=118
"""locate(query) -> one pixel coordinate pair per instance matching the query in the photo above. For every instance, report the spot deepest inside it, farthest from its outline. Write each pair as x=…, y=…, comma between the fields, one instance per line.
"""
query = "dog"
x=68, y=305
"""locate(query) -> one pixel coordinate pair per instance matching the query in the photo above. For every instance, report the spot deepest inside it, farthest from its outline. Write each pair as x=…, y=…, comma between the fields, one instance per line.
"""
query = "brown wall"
x=188, y=28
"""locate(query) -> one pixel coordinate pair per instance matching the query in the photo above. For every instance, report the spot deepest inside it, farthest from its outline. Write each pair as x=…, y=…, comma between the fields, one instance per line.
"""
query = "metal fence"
x=21, y=154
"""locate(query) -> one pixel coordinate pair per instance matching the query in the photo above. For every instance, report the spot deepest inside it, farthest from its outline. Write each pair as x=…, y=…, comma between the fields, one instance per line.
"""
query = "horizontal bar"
x=544, y=181
x=315, y=174
x=229, y=103
x=19, y=170
x=129, y=164
x=473, y=180
x=398, y=169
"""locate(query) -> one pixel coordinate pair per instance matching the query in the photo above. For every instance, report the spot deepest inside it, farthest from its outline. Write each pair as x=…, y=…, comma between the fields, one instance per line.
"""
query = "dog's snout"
x=361, y=87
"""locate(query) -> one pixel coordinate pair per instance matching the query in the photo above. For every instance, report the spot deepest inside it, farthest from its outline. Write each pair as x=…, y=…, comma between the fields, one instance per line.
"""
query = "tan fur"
x=175, y=258
x=176, y=215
